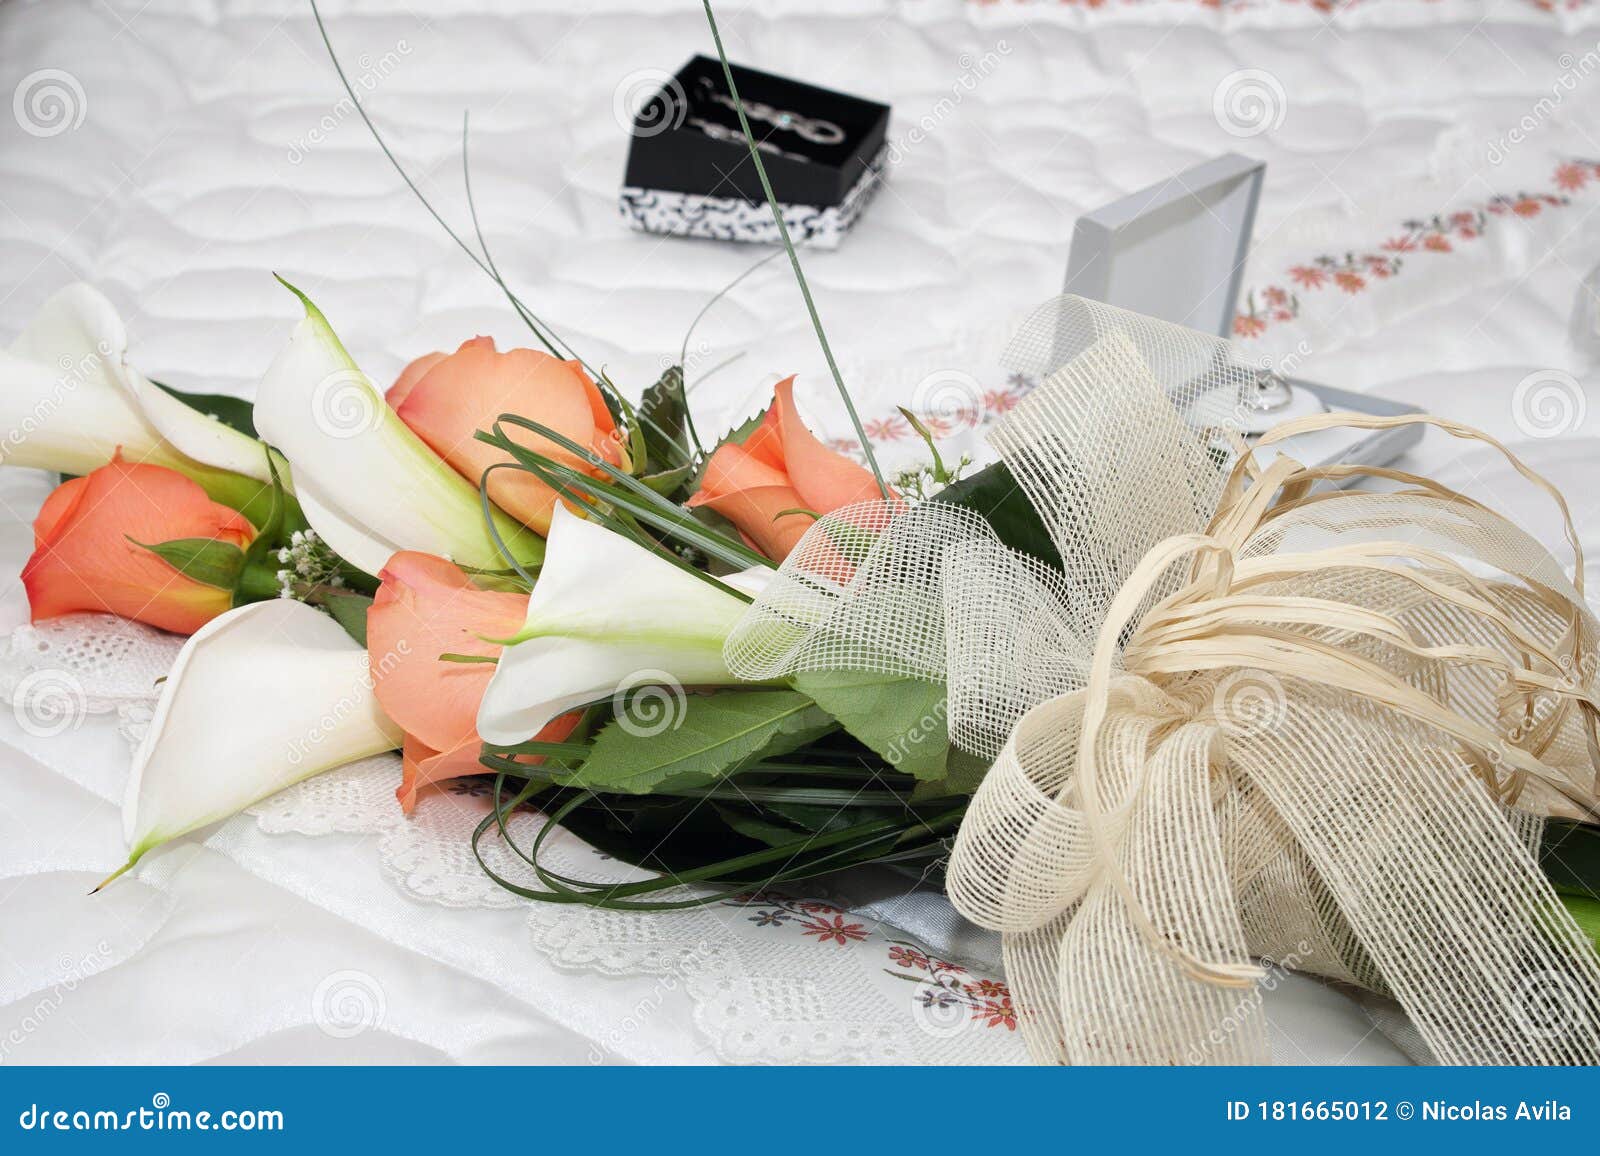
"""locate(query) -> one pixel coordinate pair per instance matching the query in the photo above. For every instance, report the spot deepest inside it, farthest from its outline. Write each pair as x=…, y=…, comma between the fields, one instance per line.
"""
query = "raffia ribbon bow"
x=1256, y=717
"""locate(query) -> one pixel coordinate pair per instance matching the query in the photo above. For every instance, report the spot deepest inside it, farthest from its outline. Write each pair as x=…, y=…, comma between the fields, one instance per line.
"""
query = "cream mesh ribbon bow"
x=1255, y=717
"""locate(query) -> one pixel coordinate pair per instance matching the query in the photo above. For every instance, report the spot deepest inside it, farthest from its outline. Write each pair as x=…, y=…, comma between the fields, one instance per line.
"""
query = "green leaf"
x=233, y=412
x=670, y=483
x=349, y=611
x=754, y=827
x=994, y=493
x=663, y=413
x=205, y=560
x=902, y=719
x=717, y=733
x=1570, y=856
x=962, y=774
x=1585, y=913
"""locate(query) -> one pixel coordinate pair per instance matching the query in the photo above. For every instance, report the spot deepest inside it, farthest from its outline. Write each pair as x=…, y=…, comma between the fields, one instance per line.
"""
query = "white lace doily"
x=768, y=978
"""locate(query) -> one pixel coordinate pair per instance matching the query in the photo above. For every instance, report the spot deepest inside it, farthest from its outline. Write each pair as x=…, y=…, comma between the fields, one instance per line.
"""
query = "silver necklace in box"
x=733, y=136
x=810, y=129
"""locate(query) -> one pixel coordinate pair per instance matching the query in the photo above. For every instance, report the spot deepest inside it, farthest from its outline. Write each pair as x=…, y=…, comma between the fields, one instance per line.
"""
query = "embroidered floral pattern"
x=1328, y=7
x=1356, y=272
x=947, y=985
x=985, y=410
x=944, y=984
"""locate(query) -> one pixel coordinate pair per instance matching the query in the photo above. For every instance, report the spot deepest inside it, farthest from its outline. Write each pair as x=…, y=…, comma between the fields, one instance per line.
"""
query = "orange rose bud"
x=85, y=557
x=445, y=399
x=426, y=607
x=780, y=467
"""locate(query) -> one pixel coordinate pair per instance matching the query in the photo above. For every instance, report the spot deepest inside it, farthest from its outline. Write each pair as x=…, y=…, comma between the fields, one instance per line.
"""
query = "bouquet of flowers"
x=1159, y=703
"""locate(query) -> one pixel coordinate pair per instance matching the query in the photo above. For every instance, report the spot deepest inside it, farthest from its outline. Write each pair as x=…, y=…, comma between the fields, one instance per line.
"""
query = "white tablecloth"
x=213, y=148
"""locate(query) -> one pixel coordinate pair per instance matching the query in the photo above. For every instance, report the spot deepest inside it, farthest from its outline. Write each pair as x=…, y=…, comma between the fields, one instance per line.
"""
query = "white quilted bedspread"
x=1426, y=230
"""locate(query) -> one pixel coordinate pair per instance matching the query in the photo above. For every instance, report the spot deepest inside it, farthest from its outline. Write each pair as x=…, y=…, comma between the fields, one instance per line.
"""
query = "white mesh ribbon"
x=1255, y=717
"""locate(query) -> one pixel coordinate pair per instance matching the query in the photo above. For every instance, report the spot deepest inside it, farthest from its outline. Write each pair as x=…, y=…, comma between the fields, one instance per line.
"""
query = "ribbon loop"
x=1255, y=717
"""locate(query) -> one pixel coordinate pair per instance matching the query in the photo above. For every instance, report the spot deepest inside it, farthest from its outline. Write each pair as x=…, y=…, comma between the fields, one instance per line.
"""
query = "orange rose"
x=427, y=607
x=445, y=399
x=780, y=467
x=83, y=558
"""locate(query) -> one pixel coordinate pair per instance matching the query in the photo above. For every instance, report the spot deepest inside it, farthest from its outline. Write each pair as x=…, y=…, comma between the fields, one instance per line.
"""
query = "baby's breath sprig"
x=308, y=566
x=919, y=483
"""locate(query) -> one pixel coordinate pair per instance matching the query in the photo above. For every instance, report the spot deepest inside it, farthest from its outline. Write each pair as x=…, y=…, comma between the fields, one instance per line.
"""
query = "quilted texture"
x=1439, y=152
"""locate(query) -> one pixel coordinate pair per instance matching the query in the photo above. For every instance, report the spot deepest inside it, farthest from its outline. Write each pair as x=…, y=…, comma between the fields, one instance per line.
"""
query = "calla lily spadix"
x=69, y=400
x=368, y=485
x=604, y=611
x=260, y=698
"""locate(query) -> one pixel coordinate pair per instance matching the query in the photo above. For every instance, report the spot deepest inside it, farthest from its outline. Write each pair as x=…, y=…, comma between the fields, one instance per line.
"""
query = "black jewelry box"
x=690, y=174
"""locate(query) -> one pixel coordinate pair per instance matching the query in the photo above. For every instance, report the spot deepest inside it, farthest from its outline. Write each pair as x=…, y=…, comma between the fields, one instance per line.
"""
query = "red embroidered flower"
x=1309, y=276
x=1400, y=244
x=886, y=429
x=908, y=957
x=1001, y=400
x=989, y=989
x=1571, y=176
x=997, y=1013
x=835, y=931
x=1436, y=243
x=1350, y=282
x=1526, y=207
x=1246, y=326
x=1273, y=295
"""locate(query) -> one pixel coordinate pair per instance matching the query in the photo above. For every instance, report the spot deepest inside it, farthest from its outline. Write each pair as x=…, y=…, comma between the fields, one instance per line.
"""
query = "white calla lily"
x=69, y=400
x=368, y=485
x=604, y=612
x=260, y=698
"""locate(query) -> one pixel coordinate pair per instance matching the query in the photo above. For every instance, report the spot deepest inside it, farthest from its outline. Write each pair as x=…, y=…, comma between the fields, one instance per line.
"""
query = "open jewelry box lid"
x=1175, y=250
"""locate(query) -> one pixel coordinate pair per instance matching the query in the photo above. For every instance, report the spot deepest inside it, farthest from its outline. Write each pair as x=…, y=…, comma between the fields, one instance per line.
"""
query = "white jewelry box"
x=1176, y=251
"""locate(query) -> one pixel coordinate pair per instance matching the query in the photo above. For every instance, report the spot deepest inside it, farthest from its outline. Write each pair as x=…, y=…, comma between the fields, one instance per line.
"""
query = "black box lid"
x=673, y=151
